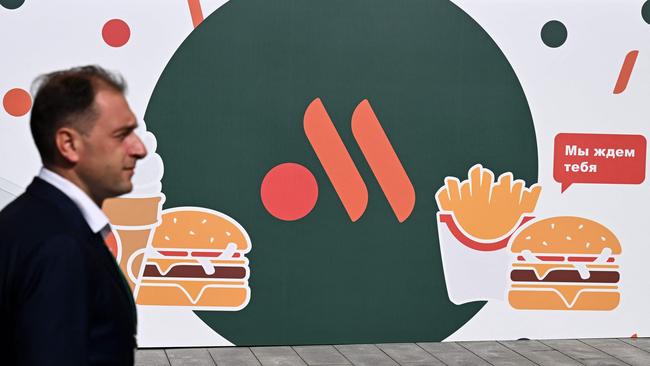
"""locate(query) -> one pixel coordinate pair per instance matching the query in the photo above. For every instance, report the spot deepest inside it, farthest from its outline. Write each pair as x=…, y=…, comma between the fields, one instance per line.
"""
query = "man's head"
x=84, y=130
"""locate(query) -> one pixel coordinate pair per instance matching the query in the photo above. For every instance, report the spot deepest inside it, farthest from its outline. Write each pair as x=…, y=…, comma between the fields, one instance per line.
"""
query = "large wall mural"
x=363, y=171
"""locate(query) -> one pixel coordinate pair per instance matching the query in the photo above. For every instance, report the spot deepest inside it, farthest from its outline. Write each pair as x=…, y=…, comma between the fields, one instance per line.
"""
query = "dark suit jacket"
x=63, y=300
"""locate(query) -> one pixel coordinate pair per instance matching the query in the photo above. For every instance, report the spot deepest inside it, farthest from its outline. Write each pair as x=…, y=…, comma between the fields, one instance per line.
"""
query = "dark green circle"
x=229, y=106
x=645, y=11
x=554, y=33
x=12, y=4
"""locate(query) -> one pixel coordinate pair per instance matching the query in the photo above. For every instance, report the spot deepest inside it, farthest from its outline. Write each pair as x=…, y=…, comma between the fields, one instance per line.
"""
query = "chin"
x=122, y=189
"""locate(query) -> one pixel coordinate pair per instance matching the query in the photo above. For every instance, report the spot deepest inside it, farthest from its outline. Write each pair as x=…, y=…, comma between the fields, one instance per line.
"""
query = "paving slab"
x=550, y=358
x=496, y=353
x=621, y=350
x=276, y=356
x=526, y=346
x=540, y=353
x=365, y=355
x=321, y=355
x=408, y=353
x=151, y=357
x=603, y=362
x=453, y=354
x=189, y=357
x=642, y=343
x=233, y=356
x=578, y=350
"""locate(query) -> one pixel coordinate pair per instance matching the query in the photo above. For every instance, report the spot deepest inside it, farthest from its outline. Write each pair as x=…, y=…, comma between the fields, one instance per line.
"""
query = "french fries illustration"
x=484, y=209
x=477, y=217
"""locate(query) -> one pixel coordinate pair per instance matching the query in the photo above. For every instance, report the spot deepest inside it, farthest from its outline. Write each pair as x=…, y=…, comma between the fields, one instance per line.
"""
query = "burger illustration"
x=196, y=259
x=565, y=263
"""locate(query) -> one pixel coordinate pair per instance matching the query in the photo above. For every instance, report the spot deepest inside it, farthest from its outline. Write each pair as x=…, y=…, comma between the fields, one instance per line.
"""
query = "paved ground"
x=591, y=352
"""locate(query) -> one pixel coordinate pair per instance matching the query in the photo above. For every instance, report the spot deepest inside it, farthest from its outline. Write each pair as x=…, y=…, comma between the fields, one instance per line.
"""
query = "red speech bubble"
x=599, y=158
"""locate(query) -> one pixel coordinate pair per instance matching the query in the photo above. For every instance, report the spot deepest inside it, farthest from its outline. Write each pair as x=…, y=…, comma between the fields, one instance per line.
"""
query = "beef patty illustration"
x=565, y=263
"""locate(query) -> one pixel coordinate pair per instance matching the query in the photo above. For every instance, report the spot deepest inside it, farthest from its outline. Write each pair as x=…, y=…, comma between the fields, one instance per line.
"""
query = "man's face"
x=110, y=149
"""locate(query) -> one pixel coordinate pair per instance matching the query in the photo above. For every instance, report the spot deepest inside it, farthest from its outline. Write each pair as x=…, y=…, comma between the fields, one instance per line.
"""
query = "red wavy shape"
x=473, y=244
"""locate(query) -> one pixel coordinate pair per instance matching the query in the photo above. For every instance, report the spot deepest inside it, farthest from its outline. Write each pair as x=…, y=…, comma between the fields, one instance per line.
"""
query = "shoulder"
x=30, y=225
x=28, y=216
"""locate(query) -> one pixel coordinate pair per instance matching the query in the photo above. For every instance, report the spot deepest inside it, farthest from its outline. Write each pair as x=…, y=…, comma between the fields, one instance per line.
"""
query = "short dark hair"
x=66, y=98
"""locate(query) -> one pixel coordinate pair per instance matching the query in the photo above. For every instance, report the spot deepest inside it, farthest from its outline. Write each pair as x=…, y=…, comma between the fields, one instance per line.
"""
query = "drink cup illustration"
x=134, y=220
x=475, y=221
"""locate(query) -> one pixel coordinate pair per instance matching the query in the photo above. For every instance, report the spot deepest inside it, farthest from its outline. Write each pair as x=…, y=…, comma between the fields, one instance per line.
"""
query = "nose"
x=138, y=150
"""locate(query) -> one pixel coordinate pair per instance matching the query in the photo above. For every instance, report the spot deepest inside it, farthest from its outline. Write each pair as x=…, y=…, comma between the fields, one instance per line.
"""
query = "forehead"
x=113, y=109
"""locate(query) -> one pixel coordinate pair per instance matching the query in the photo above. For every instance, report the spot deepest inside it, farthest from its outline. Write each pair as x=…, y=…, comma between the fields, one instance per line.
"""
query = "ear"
x=68, y=143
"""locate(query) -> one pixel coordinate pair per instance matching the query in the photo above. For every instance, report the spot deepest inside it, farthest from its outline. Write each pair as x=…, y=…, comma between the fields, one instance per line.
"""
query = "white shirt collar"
x=94, y=216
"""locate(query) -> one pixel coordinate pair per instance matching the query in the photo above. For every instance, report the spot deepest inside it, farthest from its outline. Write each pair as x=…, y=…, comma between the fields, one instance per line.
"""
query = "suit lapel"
x=109, y=263
x=47, y=192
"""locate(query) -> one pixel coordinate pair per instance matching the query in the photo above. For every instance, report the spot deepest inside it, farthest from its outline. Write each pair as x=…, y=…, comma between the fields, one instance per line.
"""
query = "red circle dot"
x=289, y=191
x=111, y=243
x=116, y=33
x=17, y=102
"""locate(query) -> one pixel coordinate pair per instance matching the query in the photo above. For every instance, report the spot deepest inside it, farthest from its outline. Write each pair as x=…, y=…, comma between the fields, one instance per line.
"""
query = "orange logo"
x=340, y=168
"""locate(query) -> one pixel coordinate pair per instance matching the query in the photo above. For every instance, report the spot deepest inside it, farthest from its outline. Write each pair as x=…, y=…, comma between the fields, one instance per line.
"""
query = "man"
x=63, y=300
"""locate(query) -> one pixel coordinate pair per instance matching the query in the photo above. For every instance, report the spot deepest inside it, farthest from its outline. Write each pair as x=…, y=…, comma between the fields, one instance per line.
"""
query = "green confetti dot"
x=645, y=11
x=12, y=4
x=554, y=34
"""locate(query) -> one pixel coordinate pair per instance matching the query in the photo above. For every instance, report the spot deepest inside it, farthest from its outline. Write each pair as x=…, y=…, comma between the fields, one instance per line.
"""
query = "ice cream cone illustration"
x=134, y=220
x=135, y=216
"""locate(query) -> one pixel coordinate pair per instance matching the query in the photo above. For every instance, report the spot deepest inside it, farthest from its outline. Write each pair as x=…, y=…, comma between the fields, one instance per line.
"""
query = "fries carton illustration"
x=477, y=217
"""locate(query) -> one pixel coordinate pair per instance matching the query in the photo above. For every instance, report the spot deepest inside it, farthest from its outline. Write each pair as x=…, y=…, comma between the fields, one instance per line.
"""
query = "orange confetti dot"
x=17, y=102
